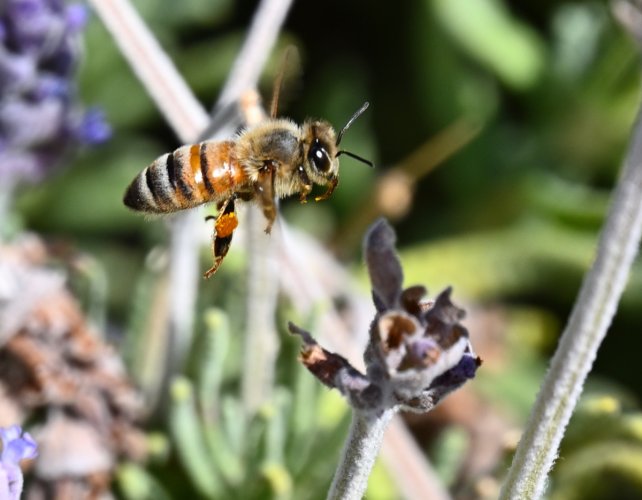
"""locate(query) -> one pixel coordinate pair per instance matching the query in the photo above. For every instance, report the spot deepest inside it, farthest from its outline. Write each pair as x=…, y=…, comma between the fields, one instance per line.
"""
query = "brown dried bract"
x=325, y=365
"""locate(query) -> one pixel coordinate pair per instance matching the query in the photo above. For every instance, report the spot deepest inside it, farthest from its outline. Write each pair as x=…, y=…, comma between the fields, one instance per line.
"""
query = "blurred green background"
x=528, y=104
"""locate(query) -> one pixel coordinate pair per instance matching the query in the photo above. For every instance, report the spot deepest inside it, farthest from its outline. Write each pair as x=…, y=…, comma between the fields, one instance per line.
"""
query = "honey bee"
x=273, y=159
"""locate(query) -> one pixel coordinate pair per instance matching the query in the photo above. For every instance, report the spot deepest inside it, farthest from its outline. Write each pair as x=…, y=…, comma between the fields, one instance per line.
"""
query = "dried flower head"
x=39, y=114
x=56, y=370
x=418, y=351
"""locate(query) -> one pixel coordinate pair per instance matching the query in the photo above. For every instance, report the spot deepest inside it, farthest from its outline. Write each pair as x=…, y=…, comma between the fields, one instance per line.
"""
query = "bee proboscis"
x=273, y=159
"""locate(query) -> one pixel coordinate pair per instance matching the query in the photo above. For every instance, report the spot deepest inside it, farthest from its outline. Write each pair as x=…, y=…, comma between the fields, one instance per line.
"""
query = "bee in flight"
x=273, y=159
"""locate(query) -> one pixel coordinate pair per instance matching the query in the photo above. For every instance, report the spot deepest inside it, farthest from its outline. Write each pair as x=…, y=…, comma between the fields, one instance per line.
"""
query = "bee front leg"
x=224, y=226
x=329, y=191
x=265, y=193
x=307, y=185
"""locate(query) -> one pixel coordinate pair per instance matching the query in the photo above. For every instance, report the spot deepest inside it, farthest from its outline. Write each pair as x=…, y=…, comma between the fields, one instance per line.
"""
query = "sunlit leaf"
x=490, y=34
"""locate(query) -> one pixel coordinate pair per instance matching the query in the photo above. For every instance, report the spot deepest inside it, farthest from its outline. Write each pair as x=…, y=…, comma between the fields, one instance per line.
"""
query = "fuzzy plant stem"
x=266, y=25
x=359, y=454
x=261, y=337
x=153, y=67
x=586, y=328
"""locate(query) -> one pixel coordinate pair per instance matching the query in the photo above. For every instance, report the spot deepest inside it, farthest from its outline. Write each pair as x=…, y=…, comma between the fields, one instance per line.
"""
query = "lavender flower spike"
x=40, y=117
x=16, y=446
x=418, y=353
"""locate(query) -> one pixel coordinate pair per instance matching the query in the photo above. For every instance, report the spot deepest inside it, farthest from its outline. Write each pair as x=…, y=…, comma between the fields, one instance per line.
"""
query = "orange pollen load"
x=226, y=224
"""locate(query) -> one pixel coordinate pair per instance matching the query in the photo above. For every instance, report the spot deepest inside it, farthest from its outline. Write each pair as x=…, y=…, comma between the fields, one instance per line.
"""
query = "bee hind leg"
x=224, y=226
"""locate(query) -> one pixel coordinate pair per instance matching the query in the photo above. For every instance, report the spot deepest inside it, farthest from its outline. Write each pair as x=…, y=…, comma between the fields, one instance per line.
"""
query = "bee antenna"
x=356, y=157
x=352, y=119
x=279, y=81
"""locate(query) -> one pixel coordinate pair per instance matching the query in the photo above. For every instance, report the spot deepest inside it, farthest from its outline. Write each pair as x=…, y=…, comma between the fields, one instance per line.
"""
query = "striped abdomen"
x=188, y=177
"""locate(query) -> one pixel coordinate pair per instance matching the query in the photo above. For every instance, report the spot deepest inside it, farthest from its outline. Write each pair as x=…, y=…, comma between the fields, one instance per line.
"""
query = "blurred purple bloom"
x=29, y=124
x=30, y=22
x=76, y=16
x=52, y=86
x=16, y=446
x=40, y=118
x=93, y=127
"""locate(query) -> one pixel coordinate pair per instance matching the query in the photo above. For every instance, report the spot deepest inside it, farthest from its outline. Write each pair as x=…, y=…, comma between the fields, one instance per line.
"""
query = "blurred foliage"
x=601, y=456
x=510, y=219
x=225, y=453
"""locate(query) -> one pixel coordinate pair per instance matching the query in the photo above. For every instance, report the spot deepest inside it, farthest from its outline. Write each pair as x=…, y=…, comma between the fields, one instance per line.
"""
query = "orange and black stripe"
x=187, y=177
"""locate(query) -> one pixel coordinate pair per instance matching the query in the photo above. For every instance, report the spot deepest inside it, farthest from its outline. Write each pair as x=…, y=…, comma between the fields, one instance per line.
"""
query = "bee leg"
x=307, y=185
x=329, y=191
x=265, y=193
x=224, y=227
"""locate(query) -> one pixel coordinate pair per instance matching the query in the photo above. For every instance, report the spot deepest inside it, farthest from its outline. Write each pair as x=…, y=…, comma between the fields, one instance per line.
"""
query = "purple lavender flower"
x=16, y=446
x=40, y=119
x=418, y=350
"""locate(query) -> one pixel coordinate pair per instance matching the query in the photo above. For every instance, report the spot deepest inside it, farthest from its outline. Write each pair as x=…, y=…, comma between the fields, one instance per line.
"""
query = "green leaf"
x=488, y=32
x=229, y=463
x=145, y=347
x=278, y=479
x=213, y=351
x=190, y=441
x=277, y=426
x=136, y=483
x=233, y=423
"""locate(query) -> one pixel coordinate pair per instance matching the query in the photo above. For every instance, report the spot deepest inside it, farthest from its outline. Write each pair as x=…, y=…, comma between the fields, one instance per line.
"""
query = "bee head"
x=322, y=155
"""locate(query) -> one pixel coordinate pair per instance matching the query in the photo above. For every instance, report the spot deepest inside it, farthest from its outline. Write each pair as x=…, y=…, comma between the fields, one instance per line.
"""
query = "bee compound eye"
x=319, y=157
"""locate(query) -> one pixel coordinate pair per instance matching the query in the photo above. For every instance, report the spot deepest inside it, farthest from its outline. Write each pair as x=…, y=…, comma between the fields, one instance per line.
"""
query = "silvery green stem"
x=261, y=338
x=153, y=67
x=587, y=326
x=261, y=37
x=359, y=454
